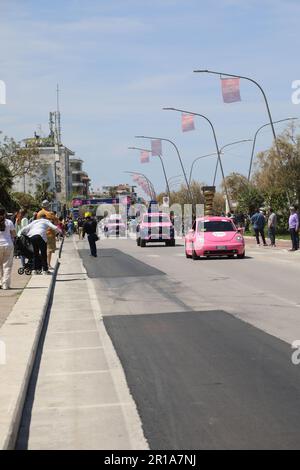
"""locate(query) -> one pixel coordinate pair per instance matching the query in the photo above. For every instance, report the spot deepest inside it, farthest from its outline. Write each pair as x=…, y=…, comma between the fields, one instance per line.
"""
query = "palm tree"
x=43, y=192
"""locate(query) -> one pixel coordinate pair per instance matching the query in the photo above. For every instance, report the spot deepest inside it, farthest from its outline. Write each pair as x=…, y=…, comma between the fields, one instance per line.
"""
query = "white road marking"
x=86, y=348
x=83, y=407
x=131, y=417
x=70, y=332
x=78, y=372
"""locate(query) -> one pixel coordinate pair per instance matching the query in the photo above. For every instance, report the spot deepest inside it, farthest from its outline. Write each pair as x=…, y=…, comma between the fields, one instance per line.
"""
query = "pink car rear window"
x=215, y=226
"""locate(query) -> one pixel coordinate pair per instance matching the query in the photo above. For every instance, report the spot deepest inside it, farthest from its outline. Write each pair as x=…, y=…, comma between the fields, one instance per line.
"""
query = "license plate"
x=221, y=247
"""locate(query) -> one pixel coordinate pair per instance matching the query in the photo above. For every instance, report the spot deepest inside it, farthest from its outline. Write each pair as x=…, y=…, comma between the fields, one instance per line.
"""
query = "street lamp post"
x=178, y=154
x=150, y=185
x=222, y=148
x=254, y=141
x=255, y=83
x=175, y=180
x=216, y=143
x=195, y=160
x=162, y=165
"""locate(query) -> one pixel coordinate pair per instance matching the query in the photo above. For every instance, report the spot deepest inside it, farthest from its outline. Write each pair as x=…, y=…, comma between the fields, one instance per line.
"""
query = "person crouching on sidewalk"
x=51, y=235
x=37, y=233
x=7, y=236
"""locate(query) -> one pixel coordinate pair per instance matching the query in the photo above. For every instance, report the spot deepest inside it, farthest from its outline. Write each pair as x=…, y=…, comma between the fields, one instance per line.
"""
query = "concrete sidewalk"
x=280, y=243
x=19, y=337
x=78, y=397
x=8, y=298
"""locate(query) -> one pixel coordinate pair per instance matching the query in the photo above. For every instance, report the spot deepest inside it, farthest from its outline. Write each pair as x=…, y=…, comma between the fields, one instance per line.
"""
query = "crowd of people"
x=261, y=220
x=42, y=230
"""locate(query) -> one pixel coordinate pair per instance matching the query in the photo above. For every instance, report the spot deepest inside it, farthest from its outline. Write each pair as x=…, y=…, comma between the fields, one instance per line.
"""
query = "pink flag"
x=144, y=156
x=231, y=90
x=187, y=122
x=156, y=147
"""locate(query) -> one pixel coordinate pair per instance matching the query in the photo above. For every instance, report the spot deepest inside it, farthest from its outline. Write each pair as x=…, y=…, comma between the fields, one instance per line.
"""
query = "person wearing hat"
x=90, y=227
x=51, y=235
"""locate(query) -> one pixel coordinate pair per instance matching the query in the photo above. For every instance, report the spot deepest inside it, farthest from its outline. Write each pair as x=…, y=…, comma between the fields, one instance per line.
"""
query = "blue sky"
x=118, y=62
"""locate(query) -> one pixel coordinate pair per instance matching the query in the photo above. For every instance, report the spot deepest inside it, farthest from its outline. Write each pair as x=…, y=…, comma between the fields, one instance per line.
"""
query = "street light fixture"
x=195, y=160
x=216, y=142
x=255, y=83
x=150, y=185
x=162, y=164
x=178, y=154
x=254, y=140
x=222, y=148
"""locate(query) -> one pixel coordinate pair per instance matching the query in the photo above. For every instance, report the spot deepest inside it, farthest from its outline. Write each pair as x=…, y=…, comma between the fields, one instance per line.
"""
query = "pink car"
x=155, y=227
x=214, y=236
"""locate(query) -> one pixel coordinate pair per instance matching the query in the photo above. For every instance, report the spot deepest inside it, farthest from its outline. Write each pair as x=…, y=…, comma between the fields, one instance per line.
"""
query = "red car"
x=214, y=236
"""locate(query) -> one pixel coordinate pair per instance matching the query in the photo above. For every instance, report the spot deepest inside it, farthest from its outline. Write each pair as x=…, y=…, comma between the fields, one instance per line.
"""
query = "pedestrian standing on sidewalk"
x=37, y=232
x=297, y=233
x=7, y=236
x=258, y=222
x=21, y=222
x=90, y=227
x=80, y=227
x=294, y=228
x=272, y=223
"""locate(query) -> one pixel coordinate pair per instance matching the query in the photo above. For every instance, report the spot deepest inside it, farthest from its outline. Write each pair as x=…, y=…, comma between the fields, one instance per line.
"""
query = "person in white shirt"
x=7, y=236
x=21, y=222
x=37, y=232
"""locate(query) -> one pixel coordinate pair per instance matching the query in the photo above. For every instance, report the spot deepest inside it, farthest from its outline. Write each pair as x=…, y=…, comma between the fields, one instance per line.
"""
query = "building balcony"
x=77, y=184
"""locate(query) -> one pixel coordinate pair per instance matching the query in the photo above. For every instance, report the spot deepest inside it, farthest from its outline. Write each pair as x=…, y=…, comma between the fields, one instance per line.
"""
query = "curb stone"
x=21, y=334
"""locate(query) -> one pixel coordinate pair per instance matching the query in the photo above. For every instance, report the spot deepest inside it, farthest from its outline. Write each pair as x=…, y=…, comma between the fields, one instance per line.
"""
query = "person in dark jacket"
x=90, y=228
x=258, y=222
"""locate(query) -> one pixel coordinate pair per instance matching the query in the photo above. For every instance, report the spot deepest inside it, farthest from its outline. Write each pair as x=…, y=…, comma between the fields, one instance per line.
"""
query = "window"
x=215, y=226
x=156, y=218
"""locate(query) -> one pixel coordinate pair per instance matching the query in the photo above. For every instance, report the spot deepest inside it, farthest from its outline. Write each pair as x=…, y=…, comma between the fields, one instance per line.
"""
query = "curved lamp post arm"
x=196, y=159
x=261, y=89
x=174, y=177
x=150, y=185
x=165, y=174
x=162, y=165
x=254, y=140
x=178, y=154
x=216, y=143
x=222, y=148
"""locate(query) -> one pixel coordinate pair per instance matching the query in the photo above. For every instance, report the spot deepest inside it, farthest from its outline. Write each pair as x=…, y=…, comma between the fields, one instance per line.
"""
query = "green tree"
x=219, y=205
x=43, y=192
x=6, y=183
x=26, y=201
x=21, y=158
x=249, y=199
x=235, y=183
x=280, y=173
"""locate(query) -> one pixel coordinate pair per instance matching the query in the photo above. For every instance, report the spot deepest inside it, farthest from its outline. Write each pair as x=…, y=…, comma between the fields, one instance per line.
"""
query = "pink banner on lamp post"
x=144, y=156
x=231, y=90
x=187, y=122
x=156, y=148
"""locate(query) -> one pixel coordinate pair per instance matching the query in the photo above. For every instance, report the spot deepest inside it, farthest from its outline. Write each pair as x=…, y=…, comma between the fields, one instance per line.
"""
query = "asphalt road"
x=205, y=345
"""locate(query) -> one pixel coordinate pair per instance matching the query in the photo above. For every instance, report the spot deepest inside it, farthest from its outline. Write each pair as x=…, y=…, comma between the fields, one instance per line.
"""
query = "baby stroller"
x=23, y=247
